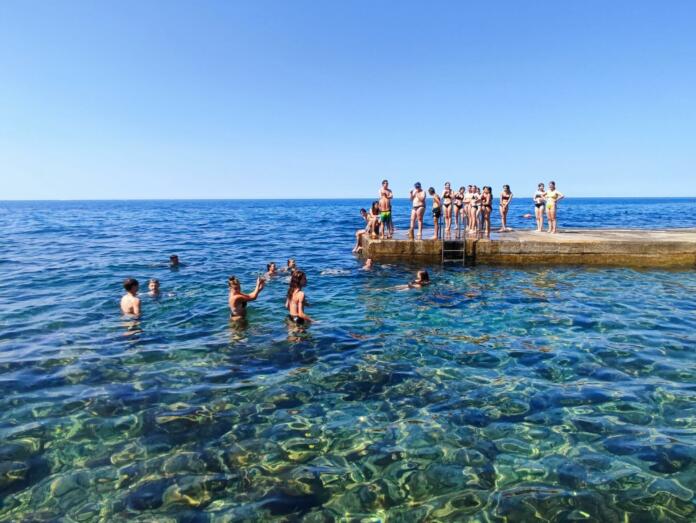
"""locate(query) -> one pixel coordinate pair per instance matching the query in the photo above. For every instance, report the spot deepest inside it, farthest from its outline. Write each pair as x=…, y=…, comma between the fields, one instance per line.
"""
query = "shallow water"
x=496, y=394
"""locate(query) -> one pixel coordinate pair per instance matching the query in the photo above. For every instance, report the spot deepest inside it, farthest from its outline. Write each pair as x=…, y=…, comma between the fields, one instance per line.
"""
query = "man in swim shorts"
x=385, y=210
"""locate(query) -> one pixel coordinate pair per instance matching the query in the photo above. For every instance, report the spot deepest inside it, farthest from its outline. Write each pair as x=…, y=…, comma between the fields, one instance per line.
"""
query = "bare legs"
x=448, y=220
x=486, y=215
x=503, y=218
x=551, y=216
x=436, y=225
x=539, y=212
x=416, y=216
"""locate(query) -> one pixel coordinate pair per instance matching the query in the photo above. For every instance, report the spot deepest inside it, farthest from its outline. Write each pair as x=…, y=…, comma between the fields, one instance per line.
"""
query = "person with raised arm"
x=417, y=196
x=237, y=300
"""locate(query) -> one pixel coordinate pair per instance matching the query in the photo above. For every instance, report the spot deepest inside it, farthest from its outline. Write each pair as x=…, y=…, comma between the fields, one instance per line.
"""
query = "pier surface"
x=667, y=248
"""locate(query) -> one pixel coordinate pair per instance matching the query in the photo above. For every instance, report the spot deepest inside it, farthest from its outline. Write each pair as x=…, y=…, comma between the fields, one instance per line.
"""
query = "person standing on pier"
x=385, y=209
x=486, y=209
x=417, y=196
x=505, y=199
x=459, y=215
x=539, y=201
x=437, y=211
x=552, y=198
x=447, y=208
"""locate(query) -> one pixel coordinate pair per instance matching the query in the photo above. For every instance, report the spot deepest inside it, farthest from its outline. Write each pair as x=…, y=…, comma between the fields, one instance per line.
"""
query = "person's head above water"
x=291, y=263
x=233, y=283
x=271, y=267
x=423, y=277
x=297, y=281
x=131, y=285
x=174, y=260
x=153, y=286
x=368, y=263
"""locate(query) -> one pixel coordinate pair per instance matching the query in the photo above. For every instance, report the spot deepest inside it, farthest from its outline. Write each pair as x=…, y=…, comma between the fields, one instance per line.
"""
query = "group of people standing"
x=466, y=211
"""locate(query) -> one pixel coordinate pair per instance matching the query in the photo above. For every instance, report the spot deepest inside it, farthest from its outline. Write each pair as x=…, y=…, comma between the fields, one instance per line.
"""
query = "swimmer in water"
x=295, y=300
x=422, y=279
x=290, y=266
x=174, y=261
x=237, y=300
x=368, y=264
x=271, y=270
x=153, y=286
x=130, y=303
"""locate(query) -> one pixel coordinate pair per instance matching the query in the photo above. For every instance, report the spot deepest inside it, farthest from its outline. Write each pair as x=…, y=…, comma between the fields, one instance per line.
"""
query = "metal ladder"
x=453, y=251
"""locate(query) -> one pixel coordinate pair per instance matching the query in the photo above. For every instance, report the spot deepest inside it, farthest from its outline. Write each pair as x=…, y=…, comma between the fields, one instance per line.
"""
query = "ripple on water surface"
x=493, y=395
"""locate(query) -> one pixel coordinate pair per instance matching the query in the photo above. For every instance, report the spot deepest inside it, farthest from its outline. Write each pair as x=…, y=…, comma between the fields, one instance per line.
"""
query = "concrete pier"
x=668, y=248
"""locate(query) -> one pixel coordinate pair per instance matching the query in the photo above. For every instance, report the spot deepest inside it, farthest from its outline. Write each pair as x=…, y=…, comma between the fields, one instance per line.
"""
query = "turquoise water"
x=496, y=394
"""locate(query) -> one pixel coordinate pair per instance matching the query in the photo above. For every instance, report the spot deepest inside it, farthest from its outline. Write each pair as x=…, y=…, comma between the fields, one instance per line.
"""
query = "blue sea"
x=497, y=394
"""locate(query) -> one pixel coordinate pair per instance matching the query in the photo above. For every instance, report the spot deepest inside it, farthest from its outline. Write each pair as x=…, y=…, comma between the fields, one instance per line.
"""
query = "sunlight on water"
x=496, y=394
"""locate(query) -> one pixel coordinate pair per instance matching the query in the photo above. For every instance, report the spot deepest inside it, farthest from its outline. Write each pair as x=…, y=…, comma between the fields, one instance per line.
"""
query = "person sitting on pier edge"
x=237, y=300
x=295, y=300
x=422, y=279
x=417, y=196
x=437, y=211
x=385, y=210
x=359, y=233
x=374, y=220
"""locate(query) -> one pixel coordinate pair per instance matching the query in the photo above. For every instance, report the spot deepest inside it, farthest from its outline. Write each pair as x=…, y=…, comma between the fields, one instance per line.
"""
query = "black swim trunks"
x=437, y=212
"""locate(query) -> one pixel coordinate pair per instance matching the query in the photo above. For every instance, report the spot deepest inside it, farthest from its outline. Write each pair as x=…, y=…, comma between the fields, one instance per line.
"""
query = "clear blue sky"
x=269, y=99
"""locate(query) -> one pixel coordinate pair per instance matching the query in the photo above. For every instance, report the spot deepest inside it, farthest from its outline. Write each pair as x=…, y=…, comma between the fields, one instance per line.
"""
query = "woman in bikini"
x=486, y=209
x=505, y=199
x=295, y=300
x=468, y=200
x=459, y=210
x=539, y=201
x=237, y=300
x=475, y=209
x=417, y=196
x=374, y=220
x=552, y=198
x=437, y=211
x=447, y=208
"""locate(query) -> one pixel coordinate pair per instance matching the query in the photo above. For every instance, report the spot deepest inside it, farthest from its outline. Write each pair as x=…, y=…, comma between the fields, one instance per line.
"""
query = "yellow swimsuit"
x=551, y=197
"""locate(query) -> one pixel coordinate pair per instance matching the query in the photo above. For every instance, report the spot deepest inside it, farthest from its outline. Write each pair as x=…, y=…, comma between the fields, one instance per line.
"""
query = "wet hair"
x=424, y=276
x=268, y=266
x=232, y=281
x=375, y=207
x=174, y=257
x=431, y=190
x=291, y=261
x=297, y=281
x=130, y=284
x=154, y=280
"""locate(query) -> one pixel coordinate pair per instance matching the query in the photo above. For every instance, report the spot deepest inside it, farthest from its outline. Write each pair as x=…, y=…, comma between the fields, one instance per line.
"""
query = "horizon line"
x=304, y=199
